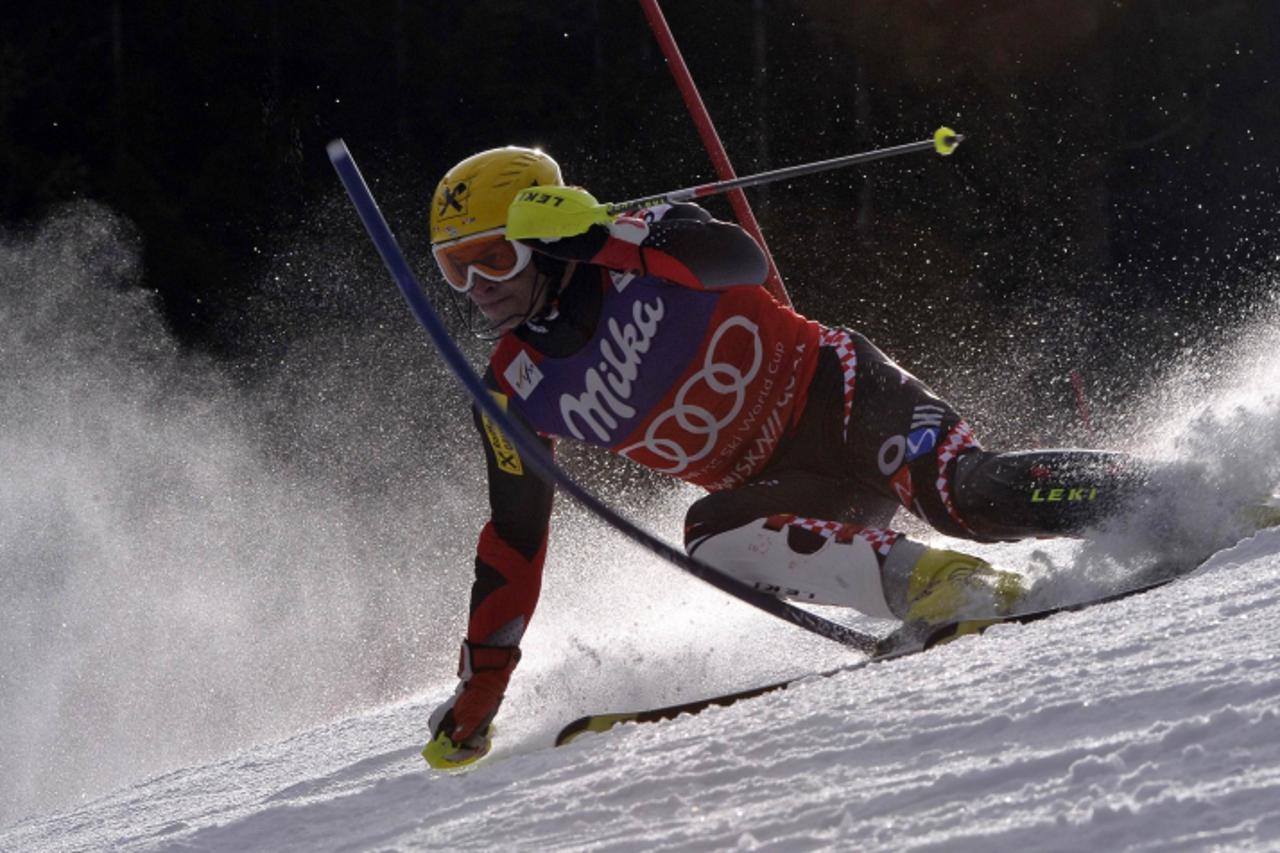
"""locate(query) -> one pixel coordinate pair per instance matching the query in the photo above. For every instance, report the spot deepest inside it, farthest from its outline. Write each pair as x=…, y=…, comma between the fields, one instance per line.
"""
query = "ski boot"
x=949, y=595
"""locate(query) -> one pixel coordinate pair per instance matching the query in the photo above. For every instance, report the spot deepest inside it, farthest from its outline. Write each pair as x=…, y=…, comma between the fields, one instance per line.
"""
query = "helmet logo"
x=451, y=199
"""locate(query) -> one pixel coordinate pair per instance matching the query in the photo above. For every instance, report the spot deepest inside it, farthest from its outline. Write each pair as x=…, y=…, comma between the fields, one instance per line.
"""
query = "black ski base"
x=892, y=647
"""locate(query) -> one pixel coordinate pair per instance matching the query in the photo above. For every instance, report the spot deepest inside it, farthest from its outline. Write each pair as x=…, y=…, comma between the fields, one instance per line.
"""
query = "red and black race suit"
x=664, y=350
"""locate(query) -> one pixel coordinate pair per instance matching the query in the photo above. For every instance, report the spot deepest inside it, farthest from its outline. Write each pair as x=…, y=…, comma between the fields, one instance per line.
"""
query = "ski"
x=889, y=648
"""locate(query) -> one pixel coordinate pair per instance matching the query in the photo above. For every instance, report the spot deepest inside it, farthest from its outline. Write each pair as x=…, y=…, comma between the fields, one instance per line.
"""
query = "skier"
x=650, y=334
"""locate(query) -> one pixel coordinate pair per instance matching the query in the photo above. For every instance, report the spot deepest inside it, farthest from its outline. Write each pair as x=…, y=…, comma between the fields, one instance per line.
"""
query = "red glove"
x=461, y=728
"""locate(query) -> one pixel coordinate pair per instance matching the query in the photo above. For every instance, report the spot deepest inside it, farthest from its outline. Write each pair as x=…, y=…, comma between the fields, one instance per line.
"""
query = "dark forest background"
x=1113, y=207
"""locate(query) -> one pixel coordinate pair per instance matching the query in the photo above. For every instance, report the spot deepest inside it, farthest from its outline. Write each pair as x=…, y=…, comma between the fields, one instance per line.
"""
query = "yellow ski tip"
x=593, y=723
x=945, y=140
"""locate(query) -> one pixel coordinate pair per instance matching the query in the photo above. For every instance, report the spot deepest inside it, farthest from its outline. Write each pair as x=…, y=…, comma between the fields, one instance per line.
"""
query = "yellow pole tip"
x=945, y=140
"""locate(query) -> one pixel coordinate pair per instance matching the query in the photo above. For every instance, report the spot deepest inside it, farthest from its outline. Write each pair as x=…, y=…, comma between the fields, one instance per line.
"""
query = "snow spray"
x=193, y=560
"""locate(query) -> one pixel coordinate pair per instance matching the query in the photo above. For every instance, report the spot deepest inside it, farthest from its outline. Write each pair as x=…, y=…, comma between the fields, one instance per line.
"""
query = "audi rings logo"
x=689, y=430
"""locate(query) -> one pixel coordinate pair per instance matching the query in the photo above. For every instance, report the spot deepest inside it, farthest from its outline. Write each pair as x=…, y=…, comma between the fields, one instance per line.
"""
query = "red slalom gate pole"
x=1082, y=402
x=711, y=140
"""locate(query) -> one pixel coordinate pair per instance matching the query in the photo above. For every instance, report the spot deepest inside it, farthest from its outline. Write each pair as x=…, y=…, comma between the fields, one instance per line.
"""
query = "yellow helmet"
x=474, y=195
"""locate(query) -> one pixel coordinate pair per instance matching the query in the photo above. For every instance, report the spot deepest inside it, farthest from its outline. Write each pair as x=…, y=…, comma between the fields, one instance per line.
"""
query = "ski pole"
x=944, y=141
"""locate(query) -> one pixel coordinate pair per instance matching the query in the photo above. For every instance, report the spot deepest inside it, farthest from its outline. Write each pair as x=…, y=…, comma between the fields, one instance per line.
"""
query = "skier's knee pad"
x=804, y=559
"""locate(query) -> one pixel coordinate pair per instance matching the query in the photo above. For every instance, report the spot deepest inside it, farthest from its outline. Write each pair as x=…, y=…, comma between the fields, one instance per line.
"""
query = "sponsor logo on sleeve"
x=523, y=375
x=504, y=452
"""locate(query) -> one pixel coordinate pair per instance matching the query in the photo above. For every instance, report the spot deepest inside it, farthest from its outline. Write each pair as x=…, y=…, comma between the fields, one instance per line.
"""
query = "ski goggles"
x=488, y=254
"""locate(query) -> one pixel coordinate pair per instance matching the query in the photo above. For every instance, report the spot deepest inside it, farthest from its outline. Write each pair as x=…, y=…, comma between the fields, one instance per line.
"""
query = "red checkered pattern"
x=880, y=539
x=839, y=340
x=827, y=529
x=958, y=440
x=779, y=521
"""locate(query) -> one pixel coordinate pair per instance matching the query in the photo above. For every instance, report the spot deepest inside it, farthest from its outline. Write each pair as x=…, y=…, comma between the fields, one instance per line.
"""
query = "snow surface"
x=203, y=650
x=1148, y=724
